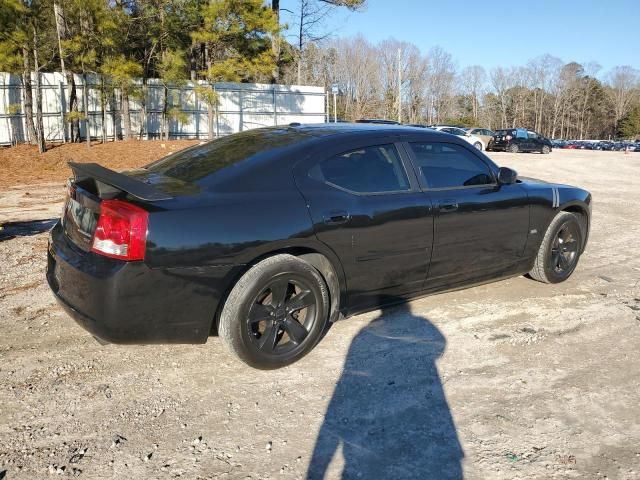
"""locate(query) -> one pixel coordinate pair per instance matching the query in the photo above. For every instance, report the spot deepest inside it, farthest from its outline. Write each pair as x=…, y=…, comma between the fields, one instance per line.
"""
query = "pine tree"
x=236, y=37
x=629, y=126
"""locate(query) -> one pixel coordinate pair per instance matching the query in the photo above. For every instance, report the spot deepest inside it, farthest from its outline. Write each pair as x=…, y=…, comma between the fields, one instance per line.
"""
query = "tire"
x=262, y=321
x=545, y=150
x=478, y=145
x=560, y=249
x=513, y=148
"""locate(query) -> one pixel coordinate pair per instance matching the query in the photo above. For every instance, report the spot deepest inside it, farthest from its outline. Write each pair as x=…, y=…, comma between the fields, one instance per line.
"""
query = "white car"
x=472, y=139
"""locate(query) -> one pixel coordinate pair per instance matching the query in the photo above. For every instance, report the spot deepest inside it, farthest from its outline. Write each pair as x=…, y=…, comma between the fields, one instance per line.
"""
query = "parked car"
x=269, y=235
x=516, y=140
x=459, y=132
x=378, y=121
x=485, y=134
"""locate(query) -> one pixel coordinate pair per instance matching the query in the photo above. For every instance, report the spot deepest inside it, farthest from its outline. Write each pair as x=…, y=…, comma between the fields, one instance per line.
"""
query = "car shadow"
x=388, y=414
x=11, y=230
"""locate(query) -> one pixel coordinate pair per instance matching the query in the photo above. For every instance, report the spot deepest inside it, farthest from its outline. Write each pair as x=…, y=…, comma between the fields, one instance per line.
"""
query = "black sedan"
x=269, y=235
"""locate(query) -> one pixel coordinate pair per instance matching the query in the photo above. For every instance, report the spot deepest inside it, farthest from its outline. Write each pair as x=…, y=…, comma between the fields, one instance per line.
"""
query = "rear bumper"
x=131, y=303
x=497, y=147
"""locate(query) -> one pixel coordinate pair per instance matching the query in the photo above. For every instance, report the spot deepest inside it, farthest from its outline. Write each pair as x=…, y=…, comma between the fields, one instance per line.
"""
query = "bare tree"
x=625, y=84
x=440, y=84
x=473, y=80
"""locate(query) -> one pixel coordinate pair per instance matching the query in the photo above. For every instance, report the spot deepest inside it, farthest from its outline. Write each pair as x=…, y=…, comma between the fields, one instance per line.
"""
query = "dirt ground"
x=23, y=164
x=510, y=380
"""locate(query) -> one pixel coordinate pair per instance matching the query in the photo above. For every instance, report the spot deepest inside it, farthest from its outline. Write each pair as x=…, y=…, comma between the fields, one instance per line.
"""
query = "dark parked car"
x=516, y=140
x=269, y=235
x=379, y=121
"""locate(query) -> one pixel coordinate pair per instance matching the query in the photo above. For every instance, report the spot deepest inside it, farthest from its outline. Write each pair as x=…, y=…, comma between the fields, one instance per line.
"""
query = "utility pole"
x=335, y=107
x=399, y=86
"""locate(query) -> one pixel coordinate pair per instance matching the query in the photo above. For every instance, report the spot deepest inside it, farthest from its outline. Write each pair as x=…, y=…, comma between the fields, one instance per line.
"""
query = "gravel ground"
x=514, y=379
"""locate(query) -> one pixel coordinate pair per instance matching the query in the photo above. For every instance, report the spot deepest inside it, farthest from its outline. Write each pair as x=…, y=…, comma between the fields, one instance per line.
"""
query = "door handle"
x=449, y=205
x=336, y=218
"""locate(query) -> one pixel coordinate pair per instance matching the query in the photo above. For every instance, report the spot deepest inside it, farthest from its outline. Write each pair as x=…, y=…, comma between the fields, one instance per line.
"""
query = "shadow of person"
x=11, y=230
x=388, y=412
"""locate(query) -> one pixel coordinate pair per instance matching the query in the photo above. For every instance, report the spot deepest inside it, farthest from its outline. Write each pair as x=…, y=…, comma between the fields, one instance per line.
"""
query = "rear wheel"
x=513, y=148
x=276, y=313
x=560, y=250
x=545, y=149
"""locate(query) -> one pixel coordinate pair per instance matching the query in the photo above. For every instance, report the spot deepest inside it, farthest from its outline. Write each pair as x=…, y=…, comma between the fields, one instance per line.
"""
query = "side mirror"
x=507, y=176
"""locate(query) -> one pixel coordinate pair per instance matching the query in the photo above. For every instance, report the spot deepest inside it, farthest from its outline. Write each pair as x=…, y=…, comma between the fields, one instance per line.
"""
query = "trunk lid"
x=93, y=183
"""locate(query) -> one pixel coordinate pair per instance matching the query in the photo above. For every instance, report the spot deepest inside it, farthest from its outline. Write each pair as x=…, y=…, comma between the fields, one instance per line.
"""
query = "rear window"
x=198, y=162
x=502, y=133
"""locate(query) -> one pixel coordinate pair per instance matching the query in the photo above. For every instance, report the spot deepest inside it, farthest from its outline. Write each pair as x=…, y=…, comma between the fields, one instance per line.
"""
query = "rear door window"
x=446, y=165
x=374, y=169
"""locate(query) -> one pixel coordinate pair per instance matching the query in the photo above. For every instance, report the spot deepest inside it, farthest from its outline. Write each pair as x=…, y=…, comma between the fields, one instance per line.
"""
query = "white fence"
x=242, y=106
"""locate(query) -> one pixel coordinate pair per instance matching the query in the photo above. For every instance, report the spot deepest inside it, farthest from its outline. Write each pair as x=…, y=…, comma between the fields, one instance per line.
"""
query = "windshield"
x=201, y=161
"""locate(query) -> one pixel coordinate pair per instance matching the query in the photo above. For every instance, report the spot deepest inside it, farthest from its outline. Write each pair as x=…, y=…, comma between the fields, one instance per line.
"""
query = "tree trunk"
x=103, y=109
x=72, y=94
x=165, y=121
x=275, y=44
x=126, y=118
x=85, y=101
x=61, y=32
x=72, y=97
x=114, y=114
x=143, y=101
x=28, y=97
x=42, y=147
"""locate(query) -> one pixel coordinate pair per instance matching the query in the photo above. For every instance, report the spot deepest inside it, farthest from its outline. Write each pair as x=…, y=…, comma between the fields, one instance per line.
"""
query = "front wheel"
x=276, y=313
x=478, y=145
x=513, y=148
x=560, y=250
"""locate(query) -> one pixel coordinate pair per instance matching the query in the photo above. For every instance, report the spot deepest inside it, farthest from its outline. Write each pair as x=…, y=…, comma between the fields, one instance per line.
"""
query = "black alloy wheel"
x=276, y=313
x=564, y=250
x=560, y=249
x=282, y=315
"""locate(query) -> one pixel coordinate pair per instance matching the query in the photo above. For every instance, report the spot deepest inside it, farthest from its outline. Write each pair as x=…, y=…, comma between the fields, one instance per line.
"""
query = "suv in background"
x=516, y=140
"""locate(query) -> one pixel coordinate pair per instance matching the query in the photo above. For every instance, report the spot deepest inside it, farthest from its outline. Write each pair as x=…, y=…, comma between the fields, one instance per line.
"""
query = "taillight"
x=121, y=231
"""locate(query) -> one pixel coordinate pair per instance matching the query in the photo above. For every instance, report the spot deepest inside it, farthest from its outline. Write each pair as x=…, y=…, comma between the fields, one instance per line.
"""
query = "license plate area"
x=80, y=218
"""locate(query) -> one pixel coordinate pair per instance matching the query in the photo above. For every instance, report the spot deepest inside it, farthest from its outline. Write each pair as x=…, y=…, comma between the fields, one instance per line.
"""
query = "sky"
x=501, y=33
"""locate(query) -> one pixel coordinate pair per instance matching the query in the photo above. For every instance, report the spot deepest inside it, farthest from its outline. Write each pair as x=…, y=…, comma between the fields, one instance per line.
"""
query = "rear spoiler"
x=133, y=187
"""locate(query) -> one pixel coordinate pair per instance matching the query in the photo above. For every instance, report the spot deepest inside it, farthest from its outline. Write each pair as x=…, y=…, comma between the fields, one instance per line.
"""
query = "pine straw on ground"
x=24, y=165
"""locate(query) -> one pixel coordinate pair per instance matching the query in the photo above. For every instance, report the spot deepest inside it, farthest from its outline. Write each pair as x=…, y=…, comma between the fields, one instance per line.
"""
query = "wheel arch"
x=322, y=259
x=582, y=212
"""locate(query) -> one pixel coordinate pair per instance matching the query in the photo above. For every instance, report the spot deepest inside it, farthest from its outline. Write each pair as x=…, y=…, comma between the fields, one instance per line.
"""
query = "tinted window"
x=198, y=162
x=444, y=165
x=532, y=134
x=365, y=170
